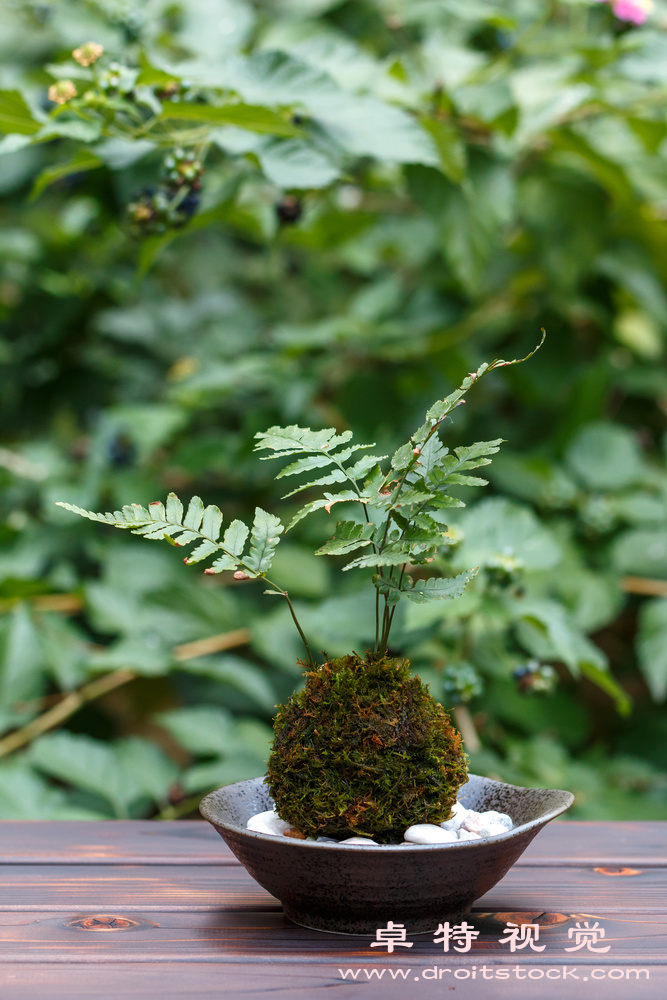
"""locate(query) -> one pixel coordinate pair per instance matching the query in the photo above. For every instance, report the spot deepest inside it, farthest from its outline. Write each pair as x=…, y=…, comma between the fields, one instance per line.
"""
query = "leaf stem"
x=283, y=593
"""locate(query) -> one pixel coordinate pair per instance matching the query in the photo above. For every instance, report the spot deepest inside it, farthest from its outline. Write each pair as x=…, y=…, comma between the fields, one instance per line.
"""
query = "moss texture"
x=364, y=750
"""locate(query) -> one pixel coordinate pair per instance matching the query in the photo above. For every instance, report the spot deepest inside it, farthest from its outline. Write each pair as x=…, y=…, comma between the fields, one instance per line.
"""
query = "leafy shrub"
x=460, y=177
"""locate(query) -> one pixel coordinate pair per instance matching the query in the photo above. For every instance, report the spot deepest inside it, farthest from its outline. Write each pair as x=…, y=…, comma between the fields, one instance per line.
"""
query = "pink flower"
x=634, y=11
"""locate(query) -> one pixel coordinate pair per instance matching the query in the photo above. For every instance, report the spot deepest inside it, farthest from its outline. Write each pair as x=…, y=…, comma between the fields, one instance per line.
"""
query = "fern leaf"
x=430, y=455
x=234, y=538
x=423, y=591
x=195, y=514
x=202, y=551
x=348, y=537
x=292, y=440
x=326, y=502
x=304, y=464
x=222, y=563
x=402, y=458
x=392, y=556
x=365, y=464
x=456, y=479
x=335, y=476
x=126, y=518
x=439, y=588
x=155, y=531
x=444, y=502
x=157, y=511
x=174, y=511
x=211, y=522
x=264, y=538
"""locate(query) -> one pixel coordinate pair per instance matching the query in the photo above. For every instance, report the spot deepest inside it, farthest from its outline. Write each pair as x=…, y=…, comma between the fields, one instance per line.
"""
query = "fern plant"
x=402, y=507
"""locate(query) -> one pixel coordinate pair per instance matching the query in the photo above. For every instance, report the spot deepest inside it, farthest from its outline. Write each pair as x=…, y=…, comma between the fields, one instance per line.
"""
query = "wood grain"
x=149, y=842
x=268, y=937
x=205, y=887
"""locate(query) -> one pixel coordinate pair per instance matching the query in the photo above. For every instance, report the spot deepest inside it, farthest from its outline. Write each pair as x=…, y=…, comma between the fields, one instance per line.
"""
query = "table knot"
x=104, y=922
x=618, y=871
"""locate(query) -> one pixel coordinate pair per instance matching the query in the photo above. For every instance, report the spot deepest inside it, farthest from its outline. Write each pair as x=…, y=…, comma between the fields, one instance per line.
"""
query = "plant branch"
x=75, y=700
x=70, y=704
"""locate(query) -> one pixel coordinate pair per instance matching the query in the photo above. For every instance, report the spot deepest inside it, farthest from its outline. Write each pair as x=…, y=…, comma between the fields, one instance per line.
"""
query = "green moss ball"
x=364, y=750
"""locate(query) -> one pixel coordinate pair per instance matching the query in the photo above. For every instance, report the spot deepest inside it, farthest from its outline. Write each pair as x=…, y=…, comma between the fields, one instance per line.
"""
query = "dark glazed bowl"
x=356, y=889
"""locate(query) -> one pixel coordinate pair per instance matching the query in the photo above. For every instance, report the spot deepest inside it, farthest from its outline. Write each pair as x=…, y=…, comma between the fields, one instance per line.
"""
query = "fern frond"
x=201, y=525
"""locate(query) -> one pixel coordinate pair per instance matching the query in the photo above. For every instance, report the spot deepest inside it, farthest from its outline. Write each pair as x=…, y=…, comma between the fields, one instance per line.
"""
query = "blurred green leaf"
x=252, y=117
x=652, y=646
x=497, y=527
x=200, y=729
x=605, y=457
x=87, y=764
x=15, y=115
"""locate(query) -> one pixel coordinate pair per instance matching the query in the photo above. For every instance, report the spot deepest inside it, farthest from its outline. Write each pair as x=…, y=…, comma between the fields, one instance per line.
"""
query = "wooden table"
x=149, y=909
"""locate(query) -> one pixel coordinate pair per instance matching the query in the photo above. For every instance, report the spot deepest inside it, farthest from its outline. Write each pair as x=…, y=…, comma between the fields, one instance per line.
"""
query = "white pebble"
x=502, y=819
x=483, y=824
x=467, y=835
x=459, y=814
x=267, y=822
x=358, y=840
x=429, y=833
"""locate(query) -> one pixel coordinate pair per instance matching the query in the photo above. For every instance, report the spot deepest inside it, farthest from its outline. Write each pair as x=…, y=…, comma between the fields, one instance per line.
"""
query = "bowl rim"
x=207, y=810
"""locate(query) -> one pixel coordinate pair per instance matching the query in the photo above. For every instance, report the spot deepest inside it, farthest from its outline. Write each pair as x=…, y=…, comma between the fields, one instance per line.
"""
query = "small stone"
x=429, y=833
x=467, y=835
x=484, y=824
x=459, y=814
x=502, y=819
x=268, y=822
x=358, y=840
x=324, y=840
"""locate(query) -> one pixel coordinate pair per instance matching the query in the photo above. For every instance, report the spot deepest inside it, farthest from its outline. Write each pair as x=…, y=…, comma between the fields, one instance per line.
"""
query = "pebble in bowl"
x=351, y=888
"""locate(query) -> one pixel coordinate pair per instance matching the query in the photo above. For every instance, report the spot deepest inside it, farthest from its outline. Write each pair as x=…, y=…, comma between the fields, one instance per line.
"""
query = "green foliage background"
x=468, y=173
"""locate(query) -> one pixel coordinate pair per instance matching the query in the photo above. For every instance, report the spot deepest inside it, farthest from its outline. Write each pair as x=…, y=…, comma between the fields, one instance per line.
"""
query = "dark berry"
x=122, y=451
x=289, y=210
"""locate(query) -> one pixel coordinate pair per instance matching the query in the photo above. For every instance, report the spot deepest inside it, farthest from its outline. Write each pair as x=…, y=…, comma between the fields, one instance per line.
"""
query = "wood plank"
x=101, y=842
x=151, y=842
x=205, y=887
x=605, y=843
x=262, y=982
x=268, y=937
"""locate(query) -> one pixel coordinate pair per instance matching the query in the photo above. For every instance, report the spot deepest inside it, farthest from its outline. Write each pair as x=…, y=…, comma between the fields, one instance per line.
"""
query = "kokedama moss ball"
x=364, y=749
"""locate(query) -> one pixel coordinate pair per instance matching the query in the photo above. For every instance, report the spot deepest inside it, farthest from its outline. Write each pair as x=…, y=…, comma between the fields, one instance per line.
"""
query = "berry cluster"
x=174, y=201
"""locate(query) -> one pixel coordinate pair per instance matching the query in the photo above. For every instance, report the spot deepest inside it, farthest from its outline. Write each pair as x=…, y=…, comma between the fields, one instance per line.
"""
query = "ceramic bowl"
x=356, y=889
